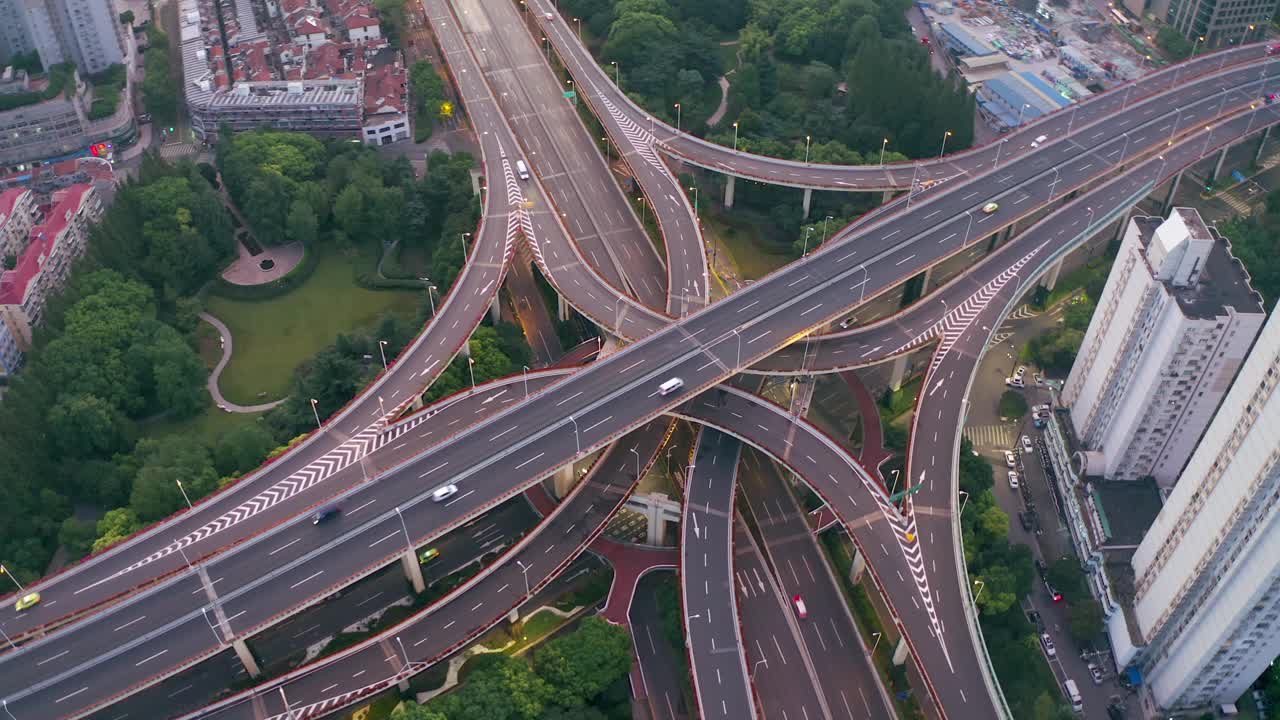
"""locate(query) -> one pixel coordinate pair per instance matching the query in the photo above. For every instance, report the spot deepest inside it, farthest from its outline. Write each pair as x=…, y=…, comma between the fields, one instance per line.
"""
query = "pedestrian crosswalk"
x=991, y=436
x=177, y=150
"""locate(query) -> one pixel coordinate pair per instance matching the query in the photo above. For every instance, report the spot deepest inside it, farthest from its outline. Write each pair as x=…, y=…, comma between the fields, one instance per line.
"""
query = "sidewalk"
x=212, y=383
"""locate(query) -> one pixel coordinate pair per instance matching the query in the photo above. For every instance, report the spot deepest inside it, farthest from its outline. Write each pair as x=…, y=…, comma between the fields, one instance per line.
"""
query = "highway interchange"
x=596, y=406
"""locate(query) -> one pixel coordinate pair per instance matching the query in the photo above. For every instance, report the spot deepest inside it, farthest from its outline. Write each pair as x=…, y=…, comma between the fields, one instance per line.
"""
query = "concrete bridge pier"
x=563, y=310
x=1173, y=189
x=1217, y=168
x=899, y=372
x=808, y=200
x=900, y=652
x=412, y=570
x=859, y=566
x=1051, y=277
x=564, y=480
x=728, y=192
x=247, y=658
x=888, y=195
x=495, y=309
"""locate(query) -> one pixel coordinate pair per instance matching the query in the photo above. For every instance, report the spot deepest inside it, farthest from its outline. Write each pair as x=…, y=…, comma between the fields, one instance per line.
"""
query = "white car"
x=549, y=16
x=1013, y=480
x=1010, y=460
x=1026, y=444
x=1040, y=409
x=1015, y=382
x=802, y=612
x=1020, y=372
x=1047, y=642
x=444, y=492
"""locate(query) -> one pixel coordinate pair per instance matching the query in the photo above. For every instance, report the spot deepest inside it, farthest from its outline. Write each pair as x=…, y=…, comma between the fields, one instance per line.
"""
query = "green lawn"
x=272, y=337
x=208, y=426
x=753, y=255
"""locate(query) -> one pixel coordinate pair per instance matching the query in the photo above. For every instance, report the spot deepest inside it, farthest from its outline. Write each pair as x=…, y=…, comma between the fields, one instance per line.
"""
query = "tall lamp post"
x=184, y=495
x=382, y=350
x=315, y=412
x=617, y=73
x=677, y=117
x=735, y=137
x=943, y=151
x=883, y=145
x=807, y=140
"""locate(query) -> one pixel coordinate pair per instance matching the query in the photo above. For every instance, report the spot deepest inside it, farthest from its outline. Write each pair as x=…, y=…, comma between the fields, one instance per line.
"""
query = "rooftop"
x=1224, y=283
x=1126, y=509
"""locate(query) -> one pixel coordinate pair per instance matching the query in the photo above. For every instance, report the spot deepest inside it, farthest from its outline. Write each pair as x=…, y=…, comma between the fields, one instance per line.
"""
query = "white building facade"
x=1174, y=323
x=87, y=32
x=1207, y=573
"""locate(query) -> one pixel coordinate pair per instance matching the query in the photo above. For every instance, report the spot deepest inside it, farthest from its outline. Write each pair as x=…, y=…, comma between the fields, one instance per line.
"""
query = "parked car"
x=1095, y=672
x=1028, y=523
x=1027, y=447
x=1014, y=382
x=1047, y=643
x=1020, y=372
x=1010, y=460
x=1013, y=480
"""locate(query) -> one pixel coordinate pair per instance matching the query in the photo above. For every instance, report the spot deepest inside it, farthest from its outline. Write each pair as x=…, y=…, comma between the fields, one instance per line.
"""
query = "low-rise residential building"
x=18, y=214
x=1174, y=323
x=53, y=246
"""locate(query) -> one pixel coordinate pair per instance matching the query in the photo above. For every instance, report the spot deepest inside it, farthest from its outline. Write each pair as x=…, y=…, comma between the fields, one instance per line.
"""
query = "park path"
x=222, y=402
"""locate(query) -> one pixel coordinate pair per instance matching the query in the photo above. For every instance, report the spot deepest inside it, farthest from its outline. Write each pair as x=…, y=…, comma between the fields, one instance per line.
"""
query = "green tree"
x=1173, y=43
x=349, y=211
x=161, y=465
x=126, y=17
x=242, y=449
x=499, y=688
x=409, y=710
x=77, y=536
x=1065, y=576
x=580, y=665
x=1086, y=621
x=302, y=224
x=1012, y=405
x=115, y=526
x=86, y=426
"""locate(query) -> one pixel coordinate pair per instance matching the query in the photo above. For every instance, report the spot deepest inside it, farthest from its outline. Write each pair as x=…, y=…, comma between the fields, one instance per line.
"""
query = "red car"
x=801, y=611
x=1273, y=49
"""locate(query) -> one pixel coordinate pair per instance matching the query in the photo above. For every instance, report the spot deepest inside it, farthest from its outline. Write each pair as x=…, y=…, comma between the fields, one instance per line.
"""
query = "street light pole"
x=382, y=350
x=463, y=241
x=408, y=544
x=316, y=412
x=677, y=117
x=968, y=227
x=695, y=201
x=1021, y=110
x=981, y=586
x=808, y=229
x=875, y=644
x=402, y=652
x=807, y=140
x=825, y=220
x=637, y=454
x=943, y=151
x=524, y=570
x=1054, y=185
x=184, y=494
x=883, y=144
x=576, y=441
x=735, y=137
x=617, y=73
x=738, y=360
x=525, y=372
x=1124, y=148
x=471, y=368
x=1207, y=139
x=963, y=502
x=5, y=571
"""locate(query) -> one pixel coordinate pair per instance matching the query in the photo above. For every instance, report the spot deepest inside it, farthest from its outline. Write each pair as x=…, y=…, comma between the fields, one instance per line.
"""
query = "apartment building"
x=1219, y=22
x=1174, y=323
x=42, y=268
x=1207, y=572
x=86, y=32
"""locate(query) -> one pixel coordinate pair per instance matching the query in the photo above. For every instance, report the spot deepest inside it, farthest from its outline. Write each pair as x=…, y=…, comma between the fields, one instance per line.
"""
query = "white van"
x=1073, y=694
x=670, y=386
x=1036, y=143
x=522, y=170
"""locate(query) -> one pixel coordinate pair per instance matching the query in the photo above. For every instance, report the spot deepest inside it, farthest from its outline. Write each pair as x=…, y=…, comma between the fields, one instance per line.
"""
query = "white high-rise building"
x=1207, y=573
x=1173, y=324
x=86, y=32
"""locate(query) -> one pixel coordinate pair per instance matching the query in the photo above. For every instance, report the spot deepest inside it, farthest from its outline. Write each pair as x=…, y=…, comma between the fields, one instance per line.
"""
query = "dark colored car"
x=324, y=513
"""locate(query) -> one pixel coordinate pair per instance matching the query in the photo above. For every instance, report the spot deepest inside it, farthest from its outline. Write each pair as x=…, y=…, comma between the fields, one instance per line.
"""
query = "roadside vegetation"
x=160, y=92
x=1007, y=573
x=580, y=675
x=1256, y=241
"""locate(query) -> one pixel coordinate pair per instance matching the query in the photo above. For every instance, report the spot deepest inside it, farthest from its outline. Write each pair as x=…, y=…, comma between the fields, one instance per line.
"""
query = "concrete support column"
x=859, y=566
x=728, y=192
x=412, y=570
x=1173, y=188
x=495, y=310
x=888, y=195
x=924, y=284
x=900, y=651
x=655, y=526
x=1266, y=133
x=808, y=200
x=513, y=617
x=563, y=309
x=1051, y=278
x=1222, y=158
x=564, y=480
x=465, y=350
x=899, y=371
x=417, y=403
x=246, y=657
